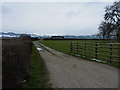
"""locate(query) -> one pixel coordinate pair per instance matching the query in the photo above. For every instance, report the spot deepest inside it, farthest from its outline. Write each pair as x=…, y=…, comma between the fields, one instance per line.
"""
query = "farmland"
x=103, y=49
x=64, y=45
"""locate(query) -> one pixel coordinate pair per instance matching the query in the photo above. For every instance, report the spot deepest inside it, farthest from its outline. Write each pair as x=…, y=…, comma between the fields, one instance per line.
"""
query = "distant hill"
x=12, y=34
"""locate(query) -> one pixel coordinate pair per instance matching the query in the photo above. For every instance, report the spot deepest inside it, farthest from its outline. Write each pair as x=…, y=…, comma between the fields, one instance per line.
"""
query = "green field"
x=62, y=46
x=103, y=51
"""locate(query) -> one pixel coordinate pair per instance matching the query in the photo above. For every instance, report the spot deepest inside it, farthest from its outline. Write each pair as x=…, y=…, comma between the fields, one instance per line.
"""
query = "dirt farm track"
x=66, y=71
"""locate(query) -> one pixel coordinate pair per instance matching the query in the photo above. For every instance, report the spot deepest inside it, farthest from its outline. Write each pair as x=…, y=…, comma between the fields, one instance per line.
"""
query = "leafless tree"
x=111, y=25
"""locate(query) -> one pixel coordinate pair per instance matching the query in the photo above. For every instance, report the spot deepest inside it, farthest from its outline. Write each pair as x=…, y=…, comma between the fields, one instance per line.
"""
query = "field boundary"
x=96, y=51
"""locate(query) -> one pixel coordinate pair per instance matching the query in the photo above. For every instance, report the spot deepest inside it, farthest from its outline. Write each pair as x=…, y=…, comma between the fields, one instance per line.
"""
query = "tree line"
x=109, y=28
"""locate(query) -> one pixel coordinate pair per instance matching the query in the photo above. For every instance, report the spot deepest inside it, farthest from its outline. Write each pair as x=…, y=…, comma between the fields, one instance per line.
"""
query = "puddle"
x=39, y=49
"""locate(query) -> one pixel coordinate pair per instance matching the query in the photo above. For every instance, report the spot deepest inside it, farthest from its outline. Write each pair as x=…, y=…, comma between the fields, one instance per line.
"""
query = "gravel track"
x=66, y=71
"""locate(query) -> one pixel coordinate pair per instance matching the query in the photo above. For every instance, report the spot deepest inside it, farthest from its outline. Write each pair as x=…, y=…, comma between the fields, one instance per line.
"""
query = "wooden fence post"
x=77, y=48
x=71, y=48
x=85, y=49
x=110, y=53
x=96, y=50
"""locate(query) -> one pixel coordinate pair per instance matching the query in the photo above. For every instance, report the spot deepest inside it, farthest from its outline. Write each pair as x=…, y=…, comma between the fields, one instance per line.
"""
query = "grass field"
x=64, y=46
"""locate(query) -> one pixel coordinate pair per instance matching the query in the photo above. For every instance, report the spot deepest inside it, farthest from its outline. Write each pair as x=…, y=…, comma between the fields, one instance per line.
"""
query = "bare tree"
x=106, y=30
x=102, y=30
x=112, y=21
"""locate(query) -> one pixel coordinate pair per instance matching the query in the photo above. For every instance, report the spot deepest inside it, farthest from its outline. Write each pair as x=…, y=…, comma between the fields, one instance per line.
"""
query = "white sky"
x=58, y=0
x=75, y=18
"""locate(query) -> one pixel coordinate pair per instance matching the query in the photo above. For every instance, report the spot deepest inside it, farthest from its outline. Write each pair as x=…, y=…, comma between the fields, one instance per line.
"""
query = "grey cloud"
x=5, y=9
x=72, y=14
x=69, y=18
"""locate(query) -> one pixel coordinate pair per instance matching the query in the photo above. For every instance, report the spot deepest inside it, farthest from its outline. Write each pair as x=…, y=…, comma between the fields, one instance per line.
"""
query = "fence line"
x=102, y=52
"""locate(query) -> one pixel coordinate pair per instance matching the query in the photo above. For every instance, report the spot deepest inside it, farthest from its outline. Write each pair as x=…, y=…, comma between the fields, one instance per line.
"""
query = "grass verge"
x=37, y=72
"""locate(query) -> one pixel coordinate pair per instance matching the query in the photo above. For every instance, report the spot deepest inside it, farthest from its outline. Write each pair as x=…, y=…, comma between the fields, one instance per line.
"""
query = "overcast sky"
x=80, y=18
